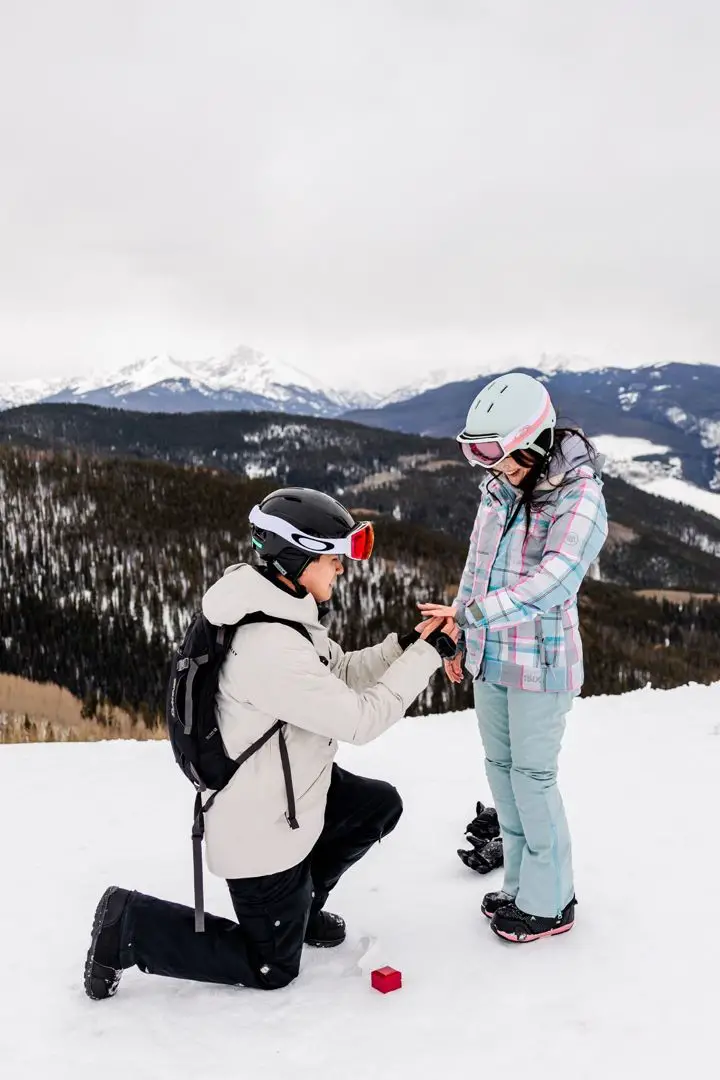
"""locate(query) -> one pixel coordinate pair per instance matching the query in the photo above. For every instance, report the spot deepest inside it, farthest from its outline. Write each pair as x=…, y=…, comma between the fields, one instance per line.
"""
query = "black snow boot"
x=103, y=969
x=493, y=901
x=325, y=930
x=483, y=856
x=484, y=826
x=512, y=924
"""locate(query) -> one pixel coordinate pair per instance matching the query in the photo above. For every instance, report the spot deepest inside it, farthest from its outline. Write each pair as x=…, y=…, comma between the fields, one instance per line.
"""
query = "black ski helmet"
x=310, y=514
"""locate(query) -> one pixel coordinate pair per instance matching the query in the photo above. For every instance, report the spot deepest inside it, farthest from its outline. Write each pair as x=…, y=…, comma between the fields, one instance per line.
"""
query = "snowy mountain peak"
x=250, y=371
x=133, y=377
x=244, y=379
x=435, y=378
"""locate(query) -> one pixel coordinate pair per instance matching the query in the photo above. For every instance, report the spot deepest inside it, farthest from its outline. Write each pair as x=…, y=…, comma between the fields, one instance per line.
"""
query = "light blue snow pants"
x=521, y=732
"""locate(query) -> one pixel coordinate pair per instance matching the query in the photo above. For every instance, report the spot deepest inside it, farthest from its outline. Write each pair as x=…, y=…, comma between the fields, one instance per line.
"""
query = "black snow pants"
x=263, y=948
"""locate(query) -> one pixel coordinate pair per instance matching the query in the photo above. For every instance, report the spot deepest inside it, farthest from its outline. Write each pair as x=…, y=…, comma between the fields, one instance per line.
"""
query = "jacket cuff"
x=471, y=615
x=410, y=675
x=392, y=648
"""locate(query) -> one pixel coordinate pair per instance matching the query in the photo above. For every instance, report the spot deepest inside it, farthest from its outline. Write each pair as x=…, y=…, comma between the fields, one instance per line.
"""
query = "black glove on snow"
x=483, y=834
x=484, y=826
x=483, y=858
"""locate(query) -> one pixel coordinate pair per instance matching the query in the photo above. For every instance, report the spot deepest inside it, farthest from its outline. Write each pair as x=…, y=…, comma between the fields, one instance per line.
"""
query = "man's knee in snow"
x=273, y=977
x=392, y=806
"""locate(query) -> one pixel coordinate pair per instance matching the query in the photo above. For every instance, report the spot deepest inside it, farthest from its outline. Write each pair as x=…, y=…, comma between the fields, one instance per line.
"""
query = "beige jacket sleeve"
x=362, y=668
x=288, y=680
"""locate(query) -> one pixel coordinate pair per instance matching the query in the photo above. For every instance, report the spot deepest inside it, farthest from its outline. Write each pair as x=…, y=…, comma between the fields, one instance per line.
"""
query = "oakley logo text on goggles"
x=311, y=543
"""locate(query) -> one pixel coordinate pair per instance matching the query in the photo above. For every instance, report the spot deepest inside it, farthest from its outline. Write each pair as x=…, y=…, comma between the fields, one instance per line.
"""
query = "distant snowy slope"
x=28, y=392
x=631, y=992
x=654, y=469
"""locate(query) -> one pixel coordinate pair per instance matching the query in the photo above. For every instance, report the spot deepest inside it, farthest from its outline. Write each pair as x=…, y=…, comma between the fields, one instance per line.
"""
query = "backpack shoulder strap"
x=261, y=616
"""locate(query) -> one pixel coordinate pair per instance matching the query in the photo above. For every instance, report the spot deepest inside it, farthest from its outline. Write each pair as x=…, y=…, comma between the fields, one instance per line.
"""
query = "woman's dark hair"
x=541, y=465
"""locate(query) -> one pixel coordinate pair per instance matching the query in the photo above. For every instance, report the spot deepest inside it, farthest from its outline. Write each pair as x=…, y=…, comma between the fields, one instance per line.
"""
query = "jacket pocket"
x=551, y=638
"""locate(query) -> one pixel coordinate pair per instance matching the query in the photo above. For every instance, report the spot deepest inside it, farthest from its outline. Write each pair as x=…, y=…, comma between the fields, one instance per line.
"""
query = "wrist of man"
x=406, y=640
x=442, y=643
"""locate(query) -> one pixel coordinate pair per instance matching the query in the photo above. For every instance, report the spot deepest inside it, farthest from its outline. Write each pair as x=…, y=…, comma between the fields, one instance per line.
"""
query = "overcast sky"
x=365, y=189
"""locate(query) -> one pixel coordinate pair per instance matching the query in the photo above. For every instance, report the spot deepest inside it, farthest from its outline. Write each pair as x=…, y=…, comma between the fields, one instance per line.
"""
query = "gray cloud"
x=396, y=184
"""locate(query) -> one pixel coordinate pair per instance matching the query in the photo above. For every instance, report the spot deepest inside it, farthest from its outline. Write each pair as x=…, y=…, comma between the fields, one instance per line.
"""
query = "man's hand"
x=441, y=623
x=428, y=626
x=441, y=612
x=441, y=633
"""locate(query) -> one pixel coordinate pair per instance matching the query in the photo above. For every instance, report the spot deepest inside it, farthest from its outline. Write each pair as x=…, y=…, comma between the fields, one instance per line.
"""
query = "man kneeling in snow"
x=280, y=866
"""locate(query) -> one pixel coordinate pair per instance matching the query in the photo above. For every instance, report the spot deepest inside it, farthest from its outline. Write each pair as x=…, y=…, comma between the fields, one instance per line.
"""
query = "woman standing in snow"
x=540, y=524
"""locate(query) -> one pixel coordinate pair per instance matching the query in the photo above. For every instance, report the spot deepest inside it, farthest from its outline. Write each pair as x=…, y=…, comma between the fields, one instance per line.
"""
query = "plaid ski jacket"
x=517, y=597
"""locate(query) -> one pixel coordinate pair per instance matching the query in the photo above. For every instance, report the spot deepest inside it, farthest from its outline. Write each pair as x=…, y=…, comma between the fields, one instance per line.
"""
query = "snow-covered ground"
x=632, y=991
x=649, y=467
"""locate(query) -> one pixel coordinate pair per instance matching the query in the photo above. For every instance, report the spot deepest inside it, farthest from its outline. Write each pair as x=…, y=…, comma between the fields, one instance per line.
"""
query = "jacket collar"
x=243, y=590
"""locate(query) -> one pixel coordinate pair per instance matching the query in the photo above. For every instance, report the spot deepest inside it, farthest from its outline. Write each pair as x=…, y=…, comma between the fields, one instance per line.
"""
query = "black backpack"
x=194, y=733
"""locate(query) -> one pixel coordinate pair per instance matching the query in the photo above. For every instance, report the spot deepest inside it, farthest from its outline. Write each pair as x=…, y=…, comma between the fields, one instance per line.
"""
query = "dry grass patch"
x=44, y=712
x=677, y=596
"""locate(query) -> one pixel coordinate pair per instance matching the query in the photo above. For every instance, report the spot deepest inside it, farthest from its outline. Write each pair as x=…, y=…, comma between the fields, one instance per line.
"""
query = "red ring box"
x=386, y=979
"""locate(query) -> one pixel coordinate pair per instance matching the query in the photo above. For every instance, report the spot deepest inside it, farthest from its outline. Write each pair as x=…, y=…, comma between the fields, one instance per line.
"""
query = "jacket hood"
x=569, y=455
x=242, y=590
x=572, y=452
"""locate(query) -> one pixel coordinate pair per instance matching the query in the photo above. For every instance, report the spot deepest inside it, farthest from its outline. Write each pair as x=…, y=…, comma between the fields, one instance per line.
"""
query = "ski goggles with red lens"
x=357, y=545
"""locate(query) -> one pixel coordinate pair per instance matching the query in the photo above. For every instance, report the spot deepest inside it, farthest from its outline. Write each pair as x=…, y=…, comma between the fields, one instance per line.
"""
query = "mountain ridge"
x=674, y=407
x=244, y=379
x=248, y=379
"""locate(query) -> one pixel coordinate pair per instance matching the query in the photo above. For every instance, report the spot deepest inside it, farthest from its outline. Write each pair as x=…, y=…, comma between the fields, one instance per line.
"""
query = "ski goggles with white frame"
x=357, y=545
x=492, y=453
x=491, y=449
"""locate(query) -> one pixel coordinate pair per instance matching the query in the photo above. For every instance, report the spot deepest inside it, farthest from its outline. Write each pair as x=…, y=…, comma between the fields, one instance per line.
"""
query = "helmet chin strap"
x=275, y=572
x=293, y=565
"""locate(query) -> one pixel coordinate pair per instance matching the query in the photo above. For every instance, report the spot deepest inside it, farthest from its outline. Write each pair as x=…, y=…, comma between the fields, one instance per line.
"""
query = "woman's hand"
x=454, y=668
x=437, y=611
